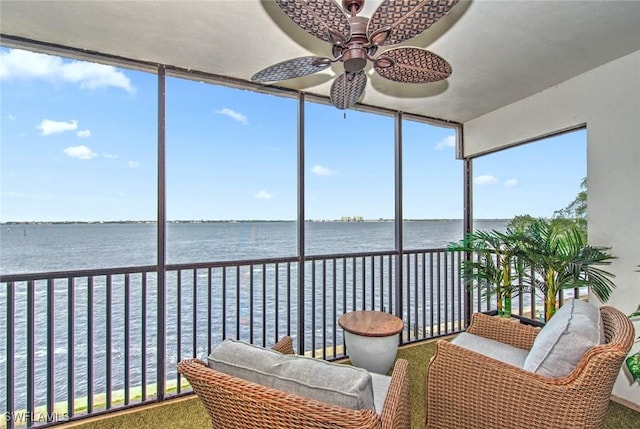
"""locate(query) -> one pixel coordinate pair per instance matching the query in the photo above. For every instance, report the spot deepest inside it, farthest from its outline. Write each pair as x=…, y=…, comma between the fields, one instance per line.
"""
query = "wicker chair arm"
x=484, y=392
x=503, y=330
x=284, y=346
x=396, y=412
x=234, y=403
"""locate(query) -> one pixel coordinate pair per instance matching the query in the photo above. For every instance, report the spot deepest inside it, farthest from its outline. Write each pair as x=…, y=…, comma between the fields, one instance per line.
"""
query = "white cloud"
x=13, y=194
x=511, y=183
x=110, y=155
x=239, y=117
x=263, y=195
x=322, y=171
x=449, y=141
x=133, y=164
x=94, y=76
x=11, y=117
x=48, y=126
x=83, y=134
x=80, y=152
x=19, y=64
x=485, y=180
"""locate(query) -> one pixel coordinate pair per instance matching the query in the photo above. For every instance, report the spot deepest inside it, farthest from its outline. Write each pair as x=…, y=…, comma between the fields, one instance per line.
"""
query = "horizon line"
x=234, y=221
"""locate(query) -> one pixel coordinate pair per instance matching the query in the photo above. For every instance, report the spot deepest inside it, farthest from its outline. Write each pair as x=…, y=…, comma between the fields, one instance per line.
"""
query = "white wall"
x=607, y=100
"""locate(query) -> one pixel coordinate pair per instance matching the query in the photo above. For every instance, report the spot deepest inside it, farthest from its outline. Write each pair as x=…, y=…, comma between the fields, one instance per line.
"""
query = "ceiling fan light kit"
x=355, y=40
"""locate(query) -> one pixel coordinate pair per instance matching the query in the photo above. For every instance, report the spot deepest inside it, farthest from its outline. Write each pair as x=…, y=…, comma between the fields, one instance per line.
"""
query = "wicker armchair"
x=469, y=390
x=235, y=403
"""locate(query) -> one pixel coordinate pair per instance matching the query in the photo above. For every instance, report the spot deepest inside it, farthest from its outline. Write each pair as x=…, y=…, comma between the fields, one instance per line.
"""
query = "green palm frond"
x=545, y=256
x=560, y=251
x=493, y=263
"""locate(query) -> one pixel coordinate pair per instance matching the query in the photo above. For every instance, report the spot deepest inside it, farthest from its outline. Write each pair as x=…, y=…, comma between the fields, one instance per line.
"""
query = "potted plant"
x=493, y=264
x=546, y=256
x=633, y=361
x=557, y=257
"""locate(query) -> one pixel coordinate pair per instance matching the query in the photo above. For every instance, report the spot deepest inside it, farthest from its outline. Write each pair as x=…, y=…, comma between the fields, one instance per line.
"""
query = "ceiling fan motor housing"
x=355, y=54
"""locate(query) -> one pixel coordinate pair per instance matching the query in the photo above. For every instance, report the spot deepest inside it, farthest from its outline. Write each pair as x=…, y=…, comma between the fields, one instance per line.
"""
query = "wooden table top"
x=370, y=323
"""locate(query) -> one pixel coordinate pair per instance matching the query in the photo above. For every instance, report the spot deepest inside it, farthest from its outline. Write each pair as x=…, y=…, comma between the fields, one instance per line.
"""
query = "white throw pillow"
x=557, y=349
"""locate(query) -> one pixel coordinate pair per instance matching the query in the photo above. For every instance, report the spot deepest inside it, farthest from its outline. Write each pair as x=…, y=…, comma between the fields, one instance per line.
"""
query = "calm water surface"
x=33, y=248
x=58, y=247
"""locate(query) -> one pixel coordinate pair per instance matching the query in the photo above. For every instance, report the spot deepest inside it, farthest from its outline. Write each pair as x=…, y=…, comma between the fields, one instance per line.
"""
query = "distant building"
x=352, y=219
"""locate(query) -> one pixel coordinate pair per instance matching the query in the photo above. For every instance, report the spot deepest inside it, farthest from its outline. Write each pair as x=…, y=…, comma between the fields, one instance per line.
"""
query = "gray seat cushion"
x=336, y=384
x=574, y=329
x=381, y=385
x=491, y=348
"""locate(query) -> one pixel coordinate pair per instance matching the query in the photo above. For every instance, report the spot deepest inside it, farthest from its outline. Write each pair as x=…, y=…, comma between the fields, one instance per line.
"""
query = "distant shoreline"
x=79, y=222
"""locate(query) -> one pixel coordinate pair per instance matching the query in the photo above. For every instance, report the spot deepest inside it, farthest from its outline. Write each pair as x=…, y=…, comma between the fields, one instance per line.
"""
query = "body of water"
x=27, y=248
x=31, y=248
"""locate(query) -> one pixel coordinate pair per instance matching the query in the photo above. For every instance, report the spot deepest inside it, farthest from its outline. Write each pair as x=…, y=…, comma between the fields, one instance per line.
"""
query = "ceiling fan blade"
x=318, y=17
x=290, y=69
x=347, y=89
x=413, y=65
x=407, y=19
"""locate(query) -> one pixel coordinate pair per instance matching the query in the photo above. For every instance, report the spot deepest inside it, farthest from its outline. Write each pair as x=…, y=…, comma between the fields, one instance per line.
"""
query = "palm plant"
x=492, y=266
x=558, y=257
x=633, y=361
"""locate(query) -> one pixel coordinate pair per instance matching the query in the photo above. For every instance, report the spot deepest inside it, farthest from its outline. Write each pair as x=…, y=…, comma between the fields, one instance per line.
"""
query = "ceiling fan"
x=356, y=40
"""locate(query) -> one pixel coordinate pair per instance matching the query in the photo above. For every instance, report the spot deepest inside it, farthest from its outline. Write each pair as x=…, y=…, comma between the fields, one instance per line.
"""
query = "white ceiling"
x=500, y=51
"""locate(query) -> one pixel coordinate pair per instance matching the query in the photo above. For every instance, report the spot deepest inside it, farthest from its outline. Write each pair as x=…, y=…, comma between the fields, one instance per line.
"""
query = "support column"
x=398, y=217
x=300, y=225
x=161, y=232
x=468, y=217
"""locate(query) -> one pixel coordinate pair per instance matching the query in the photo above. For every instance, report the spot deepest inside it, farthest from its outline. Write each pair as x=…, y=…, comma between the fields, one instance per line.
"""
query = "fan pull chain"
x=344, y=93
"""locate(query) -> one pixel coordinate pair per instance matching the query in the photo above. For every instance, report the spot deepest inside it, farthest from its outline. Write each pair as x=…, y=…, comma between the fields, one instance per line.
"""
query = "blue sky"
x=79, y=142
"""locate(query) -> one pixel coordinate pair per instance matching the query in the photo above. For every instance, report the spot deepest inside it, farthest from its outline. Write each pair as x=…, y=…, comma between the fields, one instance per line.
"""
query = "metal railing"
x=82, y=343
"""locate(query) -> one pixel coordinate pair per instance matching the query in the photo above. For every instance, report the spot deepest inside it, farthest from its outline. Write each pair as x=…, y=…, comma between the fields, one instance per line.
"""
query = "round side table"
x=371, y=338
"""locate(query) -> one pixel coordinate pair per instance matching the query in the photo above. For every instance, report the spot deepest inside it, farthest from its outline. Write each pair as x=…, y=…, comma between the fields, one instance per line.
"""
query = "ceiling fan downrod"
x=353, y=6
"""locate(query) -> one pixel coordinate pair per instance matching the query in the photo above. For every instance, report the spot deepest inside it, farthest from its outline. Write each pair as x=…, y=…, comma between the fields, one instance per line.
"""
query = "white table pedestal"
x=375, y=354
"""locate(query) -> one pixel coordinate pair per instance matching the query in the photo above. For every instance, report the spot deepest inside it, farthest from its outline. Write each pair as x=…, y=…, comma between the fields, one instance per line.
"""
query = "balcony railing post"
x=143, y=335
x=11, y=351
x=31, y=350
x=108, y=339
x=127, y=316
x=50, y=344
x=90, y=344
